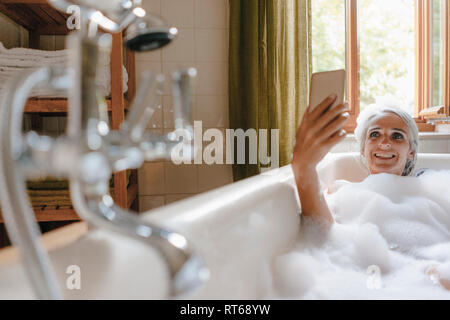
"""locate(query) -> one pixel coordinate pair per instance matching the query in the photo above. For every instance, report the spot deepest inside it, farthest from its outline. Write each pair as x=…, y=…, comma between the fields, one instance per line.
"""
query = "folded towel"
x=16, y=60
x=34, y=54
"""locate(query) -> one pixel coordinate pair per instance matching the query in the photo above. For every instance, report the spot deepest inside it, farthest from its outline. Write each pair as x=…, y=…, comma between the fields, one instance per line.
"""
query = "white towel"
x=16, y=60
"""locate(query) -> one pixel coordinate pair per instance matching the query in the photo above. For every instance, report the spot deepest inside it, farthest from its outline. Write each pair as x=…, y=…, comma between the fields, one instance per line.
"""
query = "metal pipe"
x=186, y=268
x=18, y=214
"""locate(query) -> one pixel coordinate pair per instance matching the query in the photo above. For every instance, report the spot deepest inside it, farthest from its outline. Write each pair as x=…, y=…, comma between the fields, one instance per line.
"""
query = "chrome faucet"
x=90, y=151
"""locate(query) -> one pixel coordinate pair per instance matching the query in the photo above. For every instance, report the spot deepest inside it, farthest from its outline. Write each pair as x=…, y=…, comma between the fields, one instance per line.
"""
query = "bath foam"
x=390, y=231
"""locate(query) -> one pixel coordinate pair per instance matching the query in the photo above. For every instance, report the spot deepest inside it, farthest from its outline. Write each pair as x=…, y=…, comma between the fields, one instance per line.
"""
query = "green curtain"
x=269, y=71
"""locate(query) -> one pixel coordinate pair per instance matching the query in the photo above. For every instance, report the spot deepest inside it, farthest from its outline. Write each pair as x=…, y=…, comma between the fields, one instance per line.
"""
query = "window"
x=391, y=49
x=438, y=52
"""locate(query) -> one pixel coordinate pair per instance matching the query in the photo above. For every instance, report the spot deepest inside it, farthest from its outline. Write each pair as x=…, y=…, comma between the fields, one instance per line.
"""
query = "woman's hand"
x=434, y=273
x=319, y=131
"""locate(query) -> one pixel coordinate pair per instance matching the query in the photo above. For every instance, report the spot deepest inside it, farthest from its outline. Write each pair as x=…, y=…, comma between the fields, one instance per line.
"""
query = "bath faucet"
x=90, y=151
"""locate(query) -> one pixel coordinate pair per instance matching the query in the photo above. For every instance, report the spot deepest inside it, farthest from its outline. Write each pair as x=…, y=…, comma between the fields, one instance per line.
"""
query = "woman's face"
x=387, y=146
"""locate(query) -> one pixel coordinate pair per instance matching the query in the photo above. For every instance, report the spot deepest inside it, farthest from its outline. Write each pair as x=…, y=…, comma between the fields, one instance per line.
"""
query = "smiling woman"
x=394, y=205
x=388, y=139
x=387, y=144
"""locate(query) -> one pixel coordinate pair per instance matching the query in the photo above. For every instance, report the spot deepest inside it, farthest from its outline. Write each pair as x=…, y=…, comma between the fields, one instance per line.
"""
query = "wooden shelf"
x=52, y=213
x=39, y=18
x=57, y=105
x=65, y=213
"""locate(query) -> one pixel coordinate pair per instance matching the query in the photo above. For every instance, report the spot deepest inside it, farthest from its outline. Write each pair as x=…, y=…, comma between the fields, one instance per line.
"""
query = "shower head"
x=148, y=33
x=144, y=31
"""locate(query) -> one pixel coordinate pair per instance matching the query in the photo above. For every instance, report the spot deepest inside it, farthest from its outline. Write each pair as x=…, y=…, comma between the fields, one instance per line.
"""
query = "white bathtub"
x=238, y=229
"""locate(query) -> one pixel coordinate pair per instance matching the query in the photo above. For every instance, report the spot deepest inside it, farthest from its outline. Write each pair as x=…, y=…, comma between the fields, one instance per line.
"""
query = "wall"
x=202, y=43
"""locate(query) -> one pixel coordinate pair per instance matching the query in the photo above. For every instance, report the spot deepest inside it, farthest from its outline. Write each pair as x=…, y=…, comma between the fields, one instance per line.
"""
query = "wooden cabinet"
x=39, y=18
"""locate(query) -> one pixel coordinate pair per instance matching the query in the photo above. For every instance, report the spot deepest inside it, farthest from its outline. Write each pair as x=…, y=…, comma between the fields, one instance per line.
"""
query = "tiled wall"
x=202, y=43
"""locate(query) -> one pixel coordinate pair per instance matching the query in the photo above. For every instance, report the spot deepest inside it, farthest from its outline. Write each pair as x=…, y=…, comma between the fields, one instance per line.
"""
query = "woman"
x=388, y=139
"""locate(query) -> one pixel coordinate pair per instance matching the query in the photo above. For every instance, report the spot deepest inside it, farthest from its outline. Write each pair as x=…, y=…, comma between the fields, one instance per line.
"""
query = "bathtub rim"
x=66, y=235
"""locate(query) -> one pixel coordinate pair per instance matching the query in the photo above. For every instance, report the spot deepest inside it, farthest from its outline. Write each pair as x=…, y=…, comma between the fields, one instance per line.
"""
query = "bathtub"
x=238, y=229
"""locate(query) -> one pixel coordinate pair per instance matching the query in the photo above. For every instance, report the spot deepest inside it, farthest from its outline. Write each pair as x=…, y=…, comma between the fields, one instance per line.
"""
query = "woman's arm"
x=319, y=131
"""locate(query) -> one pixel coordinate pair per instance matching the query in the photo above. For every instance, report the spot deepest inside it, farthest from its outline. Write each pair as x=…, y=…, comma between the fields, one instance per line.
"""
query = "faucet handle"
x=144, y=105
x=182, y=97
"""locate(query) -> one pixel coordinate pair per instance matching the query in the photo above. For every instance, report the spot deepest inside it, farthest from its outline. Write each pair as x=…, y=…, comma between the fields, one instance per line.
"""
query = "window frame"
x=446, y=44
x=423, y=107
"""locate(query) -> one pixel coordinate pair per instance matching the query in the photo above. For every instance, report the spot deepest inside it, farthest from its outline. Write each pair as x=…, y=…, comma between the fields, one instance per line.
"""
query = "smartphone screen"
x=325, y=83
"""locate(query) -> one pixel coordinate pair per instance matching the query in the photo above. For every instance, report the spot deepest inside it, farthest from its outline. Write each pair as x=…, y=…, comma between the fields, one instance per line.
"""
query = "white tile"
x=158, y=132
x=212, y=111
x=212, y=78
x=168, y=111
x=141, y=66
x=214, y=176
x=153, y=56
x=169, y=67
x=211, y=13
x=182, y=48
x=211, y=45
x=156, y=121
x=151, y=179
x=168, y=121
x=179, y=13
x=147, y=203
x=180, y=178
x=152, y=6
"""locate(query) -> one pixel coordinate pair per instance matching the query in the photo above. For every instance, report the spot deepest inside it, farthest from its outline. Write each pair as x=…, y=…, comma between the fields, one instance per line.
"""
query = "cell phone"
x=325, y=83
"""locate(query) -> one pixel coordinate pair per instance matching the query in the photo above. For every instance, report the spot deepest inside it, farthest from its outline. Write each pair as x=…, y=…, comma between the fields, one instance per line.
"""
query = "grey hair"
x=362, y=125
